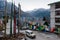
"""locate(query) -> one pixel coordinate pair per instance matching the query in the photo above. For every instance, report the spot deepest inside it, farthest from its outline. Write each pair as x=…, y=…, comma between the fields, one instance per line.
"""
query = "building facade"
x=55, y=14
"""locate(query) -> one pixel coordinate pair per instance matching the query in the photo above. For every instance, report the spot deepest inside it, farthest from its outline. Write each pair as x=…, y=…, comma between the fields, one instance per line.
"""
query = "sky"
x=27, y=5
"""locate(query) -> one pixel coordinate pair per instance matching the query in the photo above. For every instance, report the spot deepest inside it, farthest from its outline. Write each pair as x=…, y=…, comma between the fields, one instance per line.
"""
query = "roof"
x=54, y=3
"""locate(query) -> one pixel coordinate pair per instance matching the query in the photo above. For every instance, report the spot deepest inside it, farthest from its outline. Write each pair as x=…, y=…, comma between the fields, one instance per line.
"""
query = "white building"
x=55, y=14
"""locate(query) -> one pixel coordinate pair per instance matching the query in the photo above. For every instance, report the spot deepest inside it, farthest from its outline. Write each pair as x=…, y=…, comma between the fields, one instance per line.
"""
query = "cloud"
x=33, y=4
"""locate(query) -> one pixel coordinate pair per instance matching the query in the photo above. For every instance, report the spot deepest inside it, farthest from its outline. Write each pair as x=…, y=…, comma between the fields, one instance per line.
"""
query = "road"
x=39, y=35
x=44, y=36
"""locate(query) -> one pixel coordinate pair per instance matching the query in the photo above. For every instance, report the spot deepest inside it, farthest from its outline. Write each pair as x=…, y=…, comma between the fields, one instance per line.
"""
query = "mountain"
x=2, y=8
x=40, y=13
x=23, y=14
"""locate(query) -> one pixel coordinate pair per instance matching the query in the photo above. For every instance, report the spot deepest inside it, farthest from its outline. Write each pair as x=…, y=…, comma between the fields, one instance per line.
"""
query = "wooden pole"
x=11, y=19
x=19, y=17
x=5, y=19
x=14, y=20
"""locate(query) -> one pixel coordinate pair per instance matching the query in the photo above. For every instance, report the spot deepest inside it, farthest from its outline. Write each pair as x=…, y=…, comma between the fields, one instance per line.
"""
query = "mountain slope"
x=40, y=13
x=23, y=14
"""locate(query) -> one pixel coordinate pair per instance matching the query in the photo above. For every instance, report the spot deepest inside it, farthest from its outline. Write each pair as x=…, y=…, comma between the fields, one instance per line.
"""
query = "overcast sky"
x=27, y=5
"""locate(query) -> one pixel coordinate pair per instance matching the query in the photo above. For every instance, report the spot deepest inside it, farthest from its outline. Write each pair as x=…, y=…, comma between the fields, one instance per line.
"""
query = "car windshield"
x=31, y=33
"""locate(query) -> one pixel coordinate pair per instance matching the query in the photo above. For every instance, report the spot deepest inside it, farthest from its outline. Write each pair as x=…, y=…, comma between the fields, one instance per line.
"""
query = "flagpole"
x=5, y=19
x=19, y=16
x=14, y=20
x=11, y=19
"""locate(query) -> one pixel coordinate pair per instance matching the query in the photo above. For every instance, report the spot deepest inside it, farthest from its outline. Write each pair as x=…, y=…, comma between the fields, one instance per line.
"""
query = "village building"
x=55, y=14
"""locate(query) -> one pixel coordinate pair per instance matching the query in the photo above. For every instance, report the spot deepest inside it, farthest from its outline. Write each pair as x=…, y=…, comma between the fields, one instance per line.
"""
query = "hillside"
x=40, y=13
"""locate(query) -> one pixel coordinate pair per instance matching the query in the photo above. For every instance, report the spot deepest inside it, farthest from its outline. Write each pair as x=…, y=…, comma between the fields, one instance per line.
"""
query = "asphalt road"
x=44, y=36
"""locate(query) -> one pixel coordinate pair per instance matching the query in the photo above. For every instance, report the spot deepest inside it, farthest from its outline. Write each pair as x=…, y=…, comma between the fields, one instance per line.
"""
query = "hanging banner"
x=14, y=20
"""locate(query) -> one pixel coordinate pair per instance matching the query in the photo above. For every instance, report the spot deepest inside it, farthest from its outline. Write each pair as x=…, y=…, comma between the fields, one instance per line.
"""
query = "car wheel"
x=25, y=39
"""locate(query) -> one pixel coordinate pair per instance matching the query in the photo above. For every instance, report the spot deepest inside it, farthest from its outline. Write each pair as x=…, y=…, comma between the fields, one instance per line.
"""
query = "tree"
x=46, y=23
x=44, y=19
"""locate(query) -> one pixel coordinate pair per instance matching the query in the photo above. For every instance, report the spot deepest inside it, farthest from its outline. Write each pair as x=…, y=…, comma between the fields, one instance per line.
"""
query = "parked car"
x=30, y=34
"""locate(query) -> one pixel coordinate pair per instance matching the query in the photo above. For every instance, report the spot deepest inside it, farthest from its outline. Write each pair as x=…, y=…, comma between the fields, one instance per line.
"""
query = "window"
x=57, y=12
x=57, y=26
x=57, y=20
x=31, y=33
x=57, y=5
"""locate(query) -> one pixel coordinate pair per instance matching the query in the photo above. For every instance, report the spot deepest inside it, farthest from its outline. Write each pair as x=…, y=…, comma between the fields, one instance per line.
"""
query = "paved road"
x=39, y=35
x=44, y=36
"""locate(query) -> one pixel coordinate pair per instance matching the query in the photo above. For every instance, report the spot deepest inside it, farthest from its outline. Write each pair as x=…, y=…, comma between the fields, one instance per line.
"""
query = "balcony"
x=57, y=9
x=57, y=16
x=57, y=13
x=57, y=23
x=57, y=5
x=57, y=20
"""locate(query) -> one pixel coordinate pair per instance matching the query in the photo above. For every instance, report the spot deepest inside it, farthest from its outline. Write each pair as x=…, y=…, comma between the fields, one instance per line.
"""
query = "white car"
x=30, y=34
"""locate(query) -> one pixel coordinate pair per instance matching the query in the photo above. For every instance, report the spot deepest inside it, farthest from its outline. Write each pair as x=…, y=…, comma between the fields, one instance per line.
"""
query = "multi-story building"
x=55, y=14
